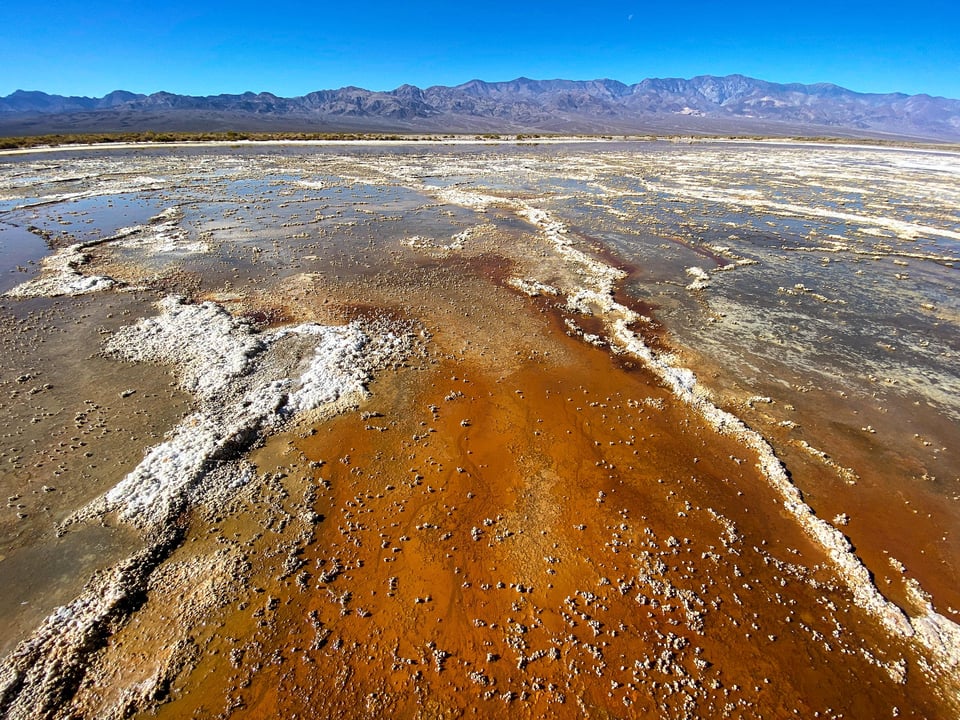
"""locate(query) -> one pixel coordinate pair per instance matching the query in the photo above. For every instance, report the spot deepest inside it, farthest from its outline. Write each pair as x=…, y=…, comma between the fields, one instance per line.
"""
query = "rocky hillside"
x=705, y=104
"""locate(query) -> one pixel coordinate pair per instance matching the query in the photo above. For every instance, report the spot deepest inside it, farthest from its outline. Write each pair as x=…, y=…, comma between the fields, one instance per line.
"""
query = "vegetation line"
x=60, y=140
x=53, y=140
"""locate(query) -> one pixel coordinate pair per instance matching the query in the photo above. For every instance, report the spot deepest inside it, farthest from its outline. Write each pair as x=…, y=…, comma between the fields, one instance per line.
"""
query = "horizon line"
x=472, y=80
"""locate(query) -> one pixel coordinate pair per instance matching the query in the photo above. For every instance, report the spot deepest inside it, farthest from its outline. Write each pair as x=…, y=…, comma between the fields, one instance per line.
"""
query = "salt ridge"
x=938, y=634
x=38, y=677
x=241, y=391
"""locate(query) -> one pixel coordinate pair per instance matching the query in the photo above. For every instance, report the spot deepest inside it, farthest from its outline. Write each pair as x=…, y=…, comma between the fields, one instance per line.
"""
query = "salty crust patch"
x=245, y=385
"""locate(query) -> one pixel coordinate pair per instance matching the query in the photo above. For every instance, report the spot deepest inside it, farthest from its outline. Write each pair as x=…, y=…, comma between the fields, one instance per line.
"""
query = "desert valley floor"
x=560, y=429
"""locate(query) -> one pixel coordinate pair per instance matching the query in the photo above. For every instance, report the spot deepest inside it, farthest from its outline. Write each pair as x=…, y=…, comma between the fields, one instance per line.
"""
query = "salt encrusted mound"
x=700, y=278
x=204, y=343
x=163, y=234
x=244, y=384
x=457, y=242
x=335, y=370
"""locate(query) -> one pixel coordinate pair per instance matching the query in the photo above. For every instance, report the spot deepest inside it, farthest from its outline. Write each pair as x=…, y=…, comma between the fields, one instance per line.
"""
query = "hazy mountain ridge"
x=708, y=104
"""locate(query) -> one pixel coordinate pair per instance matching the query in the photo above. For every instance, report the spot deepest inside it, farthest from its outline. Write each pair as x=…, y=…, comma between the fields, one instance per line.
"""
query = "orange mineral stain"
x=520, y=513
x=559, y=537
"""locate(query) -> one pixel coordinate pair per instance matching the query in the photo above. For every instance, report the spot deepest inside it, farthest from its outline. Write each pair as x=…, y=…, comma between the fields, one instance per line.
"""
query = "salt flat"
x=567, y=429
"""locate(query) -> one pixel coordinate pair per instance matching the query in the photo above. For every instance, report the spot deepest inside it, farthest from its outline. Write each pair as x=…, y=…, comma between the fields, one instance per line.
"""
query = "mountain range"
x=706, y=104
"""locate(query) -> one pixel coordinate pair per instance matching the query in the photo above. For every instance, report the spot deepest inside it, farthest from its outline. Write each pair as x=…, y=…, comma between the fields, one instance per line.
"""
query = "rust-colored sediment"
x=521, y=526
x=516, y=523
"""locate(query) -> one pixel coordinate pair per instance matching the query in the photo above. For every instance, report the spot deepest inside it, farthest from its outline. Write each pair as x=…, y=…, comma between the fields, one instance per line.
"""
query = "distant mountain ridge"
x=704, y=104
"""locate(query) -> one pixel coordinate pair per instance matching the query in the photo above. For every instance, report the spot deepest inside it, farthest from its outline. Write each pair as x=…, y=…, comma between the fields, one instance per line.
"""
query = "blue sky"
x=91, y=47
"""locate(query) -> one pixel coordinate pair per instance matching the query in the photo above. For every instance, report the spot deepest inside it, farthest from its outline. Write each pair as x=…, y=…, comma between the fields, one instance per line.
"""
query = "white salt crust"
x=162, y=235
x=244, y=384
x=457, y=242
x=240, y=389
x=206, y=345
x=700, y=278
x=61, y=273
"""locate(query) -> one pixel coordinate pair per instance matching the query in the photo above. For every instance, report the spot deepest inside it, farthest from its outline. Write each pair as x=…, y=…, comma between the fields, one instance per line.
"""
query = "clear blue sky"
x=90, y=47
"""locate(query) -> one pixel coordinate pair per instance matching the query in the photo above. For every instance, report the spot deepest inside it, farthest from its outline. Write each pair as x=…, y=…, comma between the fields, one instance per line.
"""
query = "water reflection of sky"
x=855, y=250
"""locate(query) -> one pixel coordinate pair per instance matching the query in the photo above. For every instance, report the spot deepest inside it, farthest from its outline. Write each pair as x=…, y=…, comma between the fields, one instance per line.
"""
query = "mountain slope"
x=704, y=104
